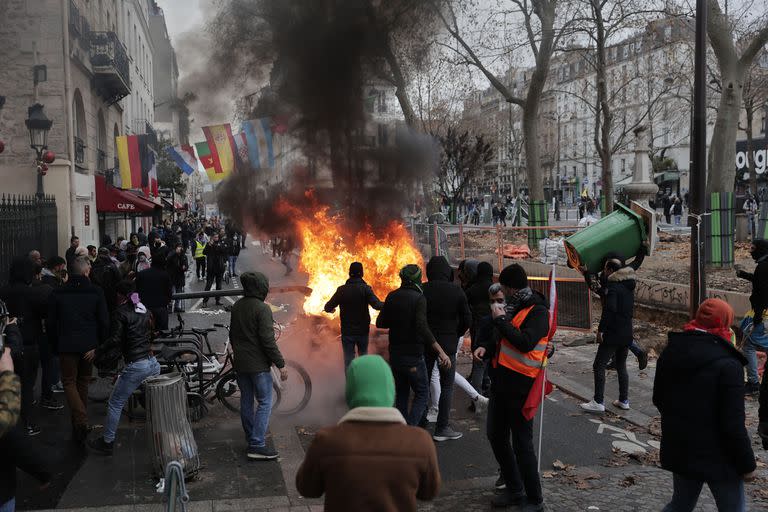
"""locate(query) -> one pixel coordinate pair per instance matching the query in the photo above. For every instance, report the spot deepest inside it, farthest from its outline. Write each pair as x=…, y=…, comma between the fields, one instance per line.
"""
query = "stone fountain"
x=642, y=189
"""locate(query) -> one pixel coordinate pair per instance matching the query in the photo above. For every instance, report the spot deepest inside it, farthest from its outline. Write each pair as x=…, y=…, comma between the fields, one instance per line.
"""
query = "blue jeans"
x=129, y=380
x=729, y=495
x=410, y=373
x=349, y=343
x=750, y=352
x=8, y=506
x=232, y=263
x=255, y=423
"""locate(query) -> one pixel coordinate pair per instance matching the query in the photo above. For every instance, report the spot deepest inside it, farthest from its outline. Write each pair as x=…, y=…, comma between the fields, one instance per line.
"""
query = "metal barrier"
x=26, y=223
x=169, y=430
x=574, y=301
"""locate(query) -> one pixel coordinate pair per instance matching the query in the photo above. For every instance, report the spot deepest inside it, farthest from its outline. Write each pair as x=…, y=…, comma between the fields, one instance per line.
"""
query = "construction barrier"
x=538, y=215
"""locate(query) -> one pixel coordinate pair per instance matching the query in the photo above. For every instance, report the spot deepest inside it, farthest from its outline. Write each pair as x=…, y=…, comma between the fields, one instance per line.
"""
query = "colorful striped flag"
x=242, y=150
x=259, y=137
x=222, y=148
x=206, y=158
x=184, y=157
x=129, y=155
x=150, y=189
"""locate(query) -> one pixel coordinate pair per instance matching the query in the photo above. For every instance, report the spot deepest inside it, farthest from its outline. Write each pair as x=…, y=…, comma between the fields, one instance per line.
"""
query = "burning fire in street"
x=327, y=249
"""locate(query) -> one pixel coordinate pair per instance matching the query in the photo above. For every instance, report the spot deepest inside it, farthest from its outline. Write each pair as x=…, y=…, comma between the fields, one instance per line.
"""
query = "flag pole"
x=541, y=418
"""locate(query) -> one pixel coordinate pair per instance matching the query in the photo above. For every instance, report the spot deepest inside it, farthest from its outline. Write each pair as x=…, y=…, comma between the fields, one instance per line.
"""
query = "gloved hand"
x=743, y=275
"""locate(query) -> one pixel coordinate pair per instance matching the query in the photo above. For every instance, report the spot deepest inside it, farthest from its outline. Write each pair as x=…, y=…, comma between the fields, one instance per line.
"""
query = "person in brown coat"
x=371, y=460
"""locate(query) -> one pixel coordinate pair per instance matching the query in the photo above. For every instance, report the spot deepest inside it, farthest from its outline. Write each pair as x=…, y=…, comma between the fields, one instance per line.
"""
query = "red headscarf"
x=714, y=316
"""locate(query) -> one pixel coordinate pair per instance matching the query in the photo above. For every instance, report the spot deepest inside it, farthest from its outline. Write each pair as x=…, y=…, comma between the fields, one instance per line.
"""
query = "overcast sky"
x=182, y=15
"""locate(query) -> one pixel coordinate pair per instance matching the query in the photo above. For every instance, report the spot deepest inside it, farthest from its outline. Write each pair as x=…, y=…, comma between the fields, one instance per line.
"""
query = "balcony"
x=111, y=68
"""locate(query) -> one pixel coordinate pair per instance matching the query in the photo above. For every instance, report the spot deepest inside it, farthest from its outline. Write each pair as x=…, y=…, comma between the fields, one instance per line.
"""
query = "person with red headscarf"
x=699, y=391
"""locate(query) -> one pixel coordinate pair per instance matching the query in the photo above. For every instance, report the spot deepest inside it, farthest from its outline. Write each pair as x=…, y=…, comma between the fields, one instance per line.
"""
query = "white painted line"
x=196, y=305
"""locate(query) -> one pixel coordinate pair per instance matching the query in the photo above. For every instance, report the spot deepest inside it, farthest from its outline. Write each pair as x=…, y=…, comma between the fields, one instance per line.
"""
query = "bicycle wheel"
x=292, y=395
x=228, y=392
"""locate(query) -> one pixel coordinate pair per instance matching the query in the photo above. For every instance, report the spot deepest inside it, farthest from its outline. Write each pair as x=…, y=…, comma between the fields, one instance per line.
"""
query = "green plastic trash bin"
x=622, y=231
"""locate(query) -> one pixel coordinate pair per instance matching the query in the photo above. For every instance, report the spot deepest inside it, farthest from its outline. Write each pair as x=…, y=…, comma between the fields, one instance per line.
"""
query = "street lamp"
x=39, y=126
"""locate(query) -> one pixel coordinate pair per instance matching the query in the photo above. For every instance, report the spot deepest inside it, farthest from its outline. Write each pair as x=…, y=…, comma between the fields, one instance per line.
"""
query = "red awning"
x=114, y=200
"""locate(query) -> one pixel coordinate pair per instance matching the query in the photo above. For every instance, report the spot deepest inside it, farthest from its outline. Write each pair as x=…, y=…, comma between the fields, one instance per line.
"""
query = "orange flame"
x=327, y=249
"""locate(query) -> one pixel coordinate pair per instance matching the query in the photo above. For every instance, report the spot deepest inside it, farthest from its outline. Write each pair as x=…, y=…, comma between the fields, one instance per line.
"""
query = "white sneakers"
x=481, y=404
x=593, y=406
x=432, y=414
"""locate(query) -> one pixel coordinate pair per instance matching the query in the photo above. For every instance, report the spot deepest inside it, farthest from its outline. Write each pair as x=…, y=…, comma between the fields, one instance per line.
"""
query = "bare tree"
x=735, y=52
x=541, y=37
x=755, y=96
x=462, y=157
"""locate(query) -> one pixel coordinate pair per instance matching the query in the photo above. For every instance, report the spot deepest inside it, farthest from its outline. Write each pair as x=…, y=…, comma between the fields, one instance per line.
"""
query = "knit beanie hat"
x=356, y=269
x=411, y=274
x=514, y=277
x=370, y=383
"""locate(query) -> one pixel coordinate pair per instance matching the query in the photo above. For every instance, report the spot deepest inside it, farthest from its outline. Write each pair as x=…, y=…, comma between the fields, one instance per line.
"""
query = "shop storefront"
x=121, y=212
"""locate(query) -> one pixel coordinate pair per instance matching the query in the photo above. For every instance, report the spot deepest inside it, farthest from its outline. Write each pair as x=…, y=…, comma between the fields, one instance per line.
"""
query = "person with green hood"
x=371, y=460
x=405, y=315
x=255, y=351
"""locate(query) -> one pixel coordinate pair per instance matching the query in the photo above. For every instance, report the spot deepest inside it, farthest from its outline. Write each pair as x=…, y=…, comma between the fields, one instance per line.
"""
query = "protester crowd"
x=61, y=316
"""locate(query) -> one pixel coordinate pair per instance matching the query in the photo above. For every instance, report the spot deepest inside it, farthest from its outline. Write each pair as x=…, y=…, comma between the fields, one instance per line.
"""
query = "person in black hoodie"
x=155, y=289
x=353, y=298
x=699, y=391
x=216, y=254
x=449, y=318
x=615, y=332
x=105, y=275
x=517, y=349
x=758, y=299
x=177, y=270
x=477, y=296
x=405, y=315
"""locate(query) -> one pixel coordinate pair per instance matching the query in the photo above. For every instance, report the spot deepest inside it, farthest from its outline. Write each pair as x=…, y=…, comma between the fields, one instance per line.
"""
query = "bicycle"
x=288, y=397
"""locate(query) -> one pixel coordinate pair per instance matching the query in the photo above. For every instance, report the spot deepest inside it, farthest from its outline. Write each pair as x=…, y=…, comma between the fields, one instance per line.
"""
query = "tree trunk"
x=750, y=161
x=603, y=115
x=722, y=154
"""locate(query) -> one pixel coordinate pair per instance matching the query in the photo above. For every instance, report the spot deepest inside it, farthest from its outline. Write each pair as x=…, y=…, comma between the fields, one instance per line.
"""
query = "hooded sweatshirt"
x=251, y=328
x=618, y=297
x=448, y=312
x=388, y=474
x=759, y=279
x=699, y=391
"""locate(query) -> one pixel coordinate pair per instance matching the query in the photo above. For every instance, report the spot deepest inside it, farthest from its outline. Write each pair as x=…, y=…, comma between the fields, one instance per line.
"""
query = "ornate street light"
x=39, y=126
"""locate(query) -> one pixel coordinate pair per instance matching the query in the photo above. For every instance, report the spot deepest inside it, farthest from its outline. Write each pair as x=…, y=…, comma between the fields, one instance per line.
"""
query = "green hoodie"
x=251, y=328
x=370, y=383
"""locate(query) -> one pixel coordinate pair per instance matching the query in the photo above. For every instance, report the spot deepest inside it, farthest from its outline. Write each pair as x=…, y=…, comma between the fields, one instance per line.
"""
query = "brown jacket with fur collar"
x=370, y=461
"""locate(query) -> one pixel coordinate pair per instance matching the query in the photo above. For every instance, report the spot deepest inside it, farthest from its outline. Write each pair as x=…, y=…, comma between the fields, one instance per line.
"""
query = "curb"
x=573, y=388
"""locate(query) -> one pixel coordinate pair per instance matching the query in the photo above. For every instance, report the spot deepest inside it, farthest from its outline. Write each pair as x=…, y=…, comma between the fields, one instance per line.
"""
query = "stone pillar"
x=642, y=188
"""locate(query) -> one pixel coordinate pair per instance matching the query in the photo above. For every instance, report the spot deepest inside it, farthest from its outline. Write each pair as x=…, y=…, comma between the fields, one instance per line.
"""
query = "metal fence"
x=26, y=223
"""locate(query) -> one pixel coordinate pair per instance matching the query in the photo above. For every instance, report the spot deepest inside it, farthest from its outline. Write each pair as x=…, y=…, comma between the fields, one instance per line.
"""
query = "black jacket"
x=77, y=316
x=36, y=310
x=105, y=275
x=758, y=299
x=477, y=295
x=23, y=452
x=353, y=298
x=217, y=257
x=405, y=315
x=536, y=326
x=177, y=266
x=130, y=332
x=699, y=390
x=448, y=313
x=618, y=298
x=154, y=287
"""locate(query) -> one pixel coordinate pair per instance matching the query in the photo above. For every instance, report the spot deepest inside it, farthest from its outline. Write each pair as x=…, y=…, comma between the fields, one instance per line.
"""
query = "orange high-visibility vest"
x=526, y=363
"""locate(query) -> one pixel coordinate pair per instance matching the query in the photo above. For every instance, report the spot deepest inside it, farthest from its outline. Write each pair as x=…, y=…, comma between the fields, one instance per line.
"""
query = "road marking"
x=626, y=441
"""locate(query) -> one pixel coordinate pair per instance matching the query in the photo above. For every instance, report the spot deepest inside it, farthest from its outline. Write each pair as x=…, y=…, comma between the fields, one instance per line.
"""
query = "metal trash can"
x=169, y=430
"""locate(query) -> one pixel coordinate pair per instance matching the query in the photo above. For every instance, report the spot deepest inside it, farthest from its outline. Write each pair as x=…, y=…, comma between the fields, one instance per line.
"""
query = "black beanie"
x=356, y=269
x=514, y=277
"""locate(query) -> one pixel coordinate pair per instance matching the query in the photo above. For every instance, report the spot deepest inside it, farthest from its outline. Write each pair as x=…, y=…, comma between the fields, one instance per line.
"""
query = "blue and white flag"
x=185, y=158
x=258, y=134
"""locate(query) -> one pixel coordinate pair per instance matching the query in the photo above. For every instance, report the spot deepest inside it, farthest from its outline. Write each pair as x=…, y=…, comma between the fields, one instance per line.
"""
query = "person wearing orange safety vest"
x=517, y=351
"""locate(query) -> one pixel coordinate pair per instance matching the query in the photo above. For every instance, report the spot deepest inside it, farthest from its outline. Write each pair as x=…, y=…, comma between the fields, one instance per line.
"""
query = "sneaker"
x=481, y=404
x=446, y=434
x=261, y=453
x=51, y=404
x=531, y=507
x=32, y=429
x=57, y=388
x=508, y=499
x=593, y=406
x=751, y=388
x=101, y=446
x=204, y=304
x=432, y=414
x=500, y=483
x=621, y=405
x=642, y=360
x=611, y=365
